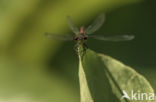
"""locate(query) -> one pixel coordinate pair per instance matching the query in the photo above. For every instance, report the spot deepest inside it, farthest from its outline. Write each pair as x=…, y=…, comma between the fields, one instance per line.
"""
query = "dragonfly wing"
x=113, y=38
x=72, y=25
x=96, y=24
x=59, y=37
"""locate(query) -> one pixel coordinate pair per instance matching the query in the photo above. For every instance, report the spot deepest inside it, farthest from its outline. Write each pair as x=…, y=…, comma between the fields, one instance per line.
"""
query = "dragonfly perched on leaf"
x=82, y=34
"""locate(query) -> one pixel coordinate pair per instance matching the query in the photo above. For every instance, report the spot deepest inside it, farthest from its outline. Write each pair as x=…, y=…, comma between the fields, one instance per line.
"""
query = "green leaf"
x=102, y=79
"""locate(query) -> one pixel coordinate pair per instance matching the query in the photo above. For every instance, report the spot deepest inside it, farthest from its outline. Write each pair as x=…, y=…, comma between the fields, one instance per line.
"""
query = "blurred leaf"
x=103, y=78
x=26, y=83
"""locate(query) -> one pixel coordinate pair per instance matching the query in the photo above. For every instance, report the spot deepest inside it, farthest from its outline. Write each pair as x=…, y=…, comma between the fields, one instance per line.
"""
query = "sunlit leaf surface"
x=103, y=78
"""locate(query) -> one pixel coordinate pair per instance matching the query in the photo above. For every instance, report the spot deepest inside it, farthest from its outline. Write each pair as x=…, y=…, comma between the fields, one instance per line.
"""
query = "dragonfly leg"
x=76, y=47
x=85, y=47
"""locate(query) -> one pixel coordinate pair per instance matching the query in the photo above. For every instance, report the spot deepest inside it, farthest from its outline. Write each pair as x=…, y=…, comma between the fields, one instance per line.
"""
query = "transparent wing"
x=96, y=24
x=59, y=37
x=113, y=38
x=72, y=25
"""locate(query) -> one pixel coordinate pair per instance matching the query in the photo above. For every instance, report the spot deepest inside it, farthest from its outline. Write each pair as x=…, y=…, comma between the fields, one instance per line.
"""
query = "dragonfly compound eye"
x=85, y=38
x=76, y=38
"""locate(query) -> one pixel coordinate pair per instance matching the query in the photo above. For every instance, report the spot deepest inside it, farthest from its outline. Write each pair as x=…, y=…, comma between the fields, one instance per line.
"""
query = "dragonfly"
x=82, y=34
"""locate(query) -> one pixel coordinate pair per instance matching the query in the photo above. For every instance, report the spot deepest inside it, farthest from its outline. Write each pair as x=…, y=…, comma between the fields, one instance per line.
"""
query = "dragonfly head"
x=82, y=30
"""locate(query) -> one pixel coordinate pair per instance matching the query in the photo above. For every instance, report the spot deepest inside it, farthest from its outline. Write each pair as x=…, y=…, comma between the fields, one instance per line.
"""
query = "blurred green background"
x=36, y=69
